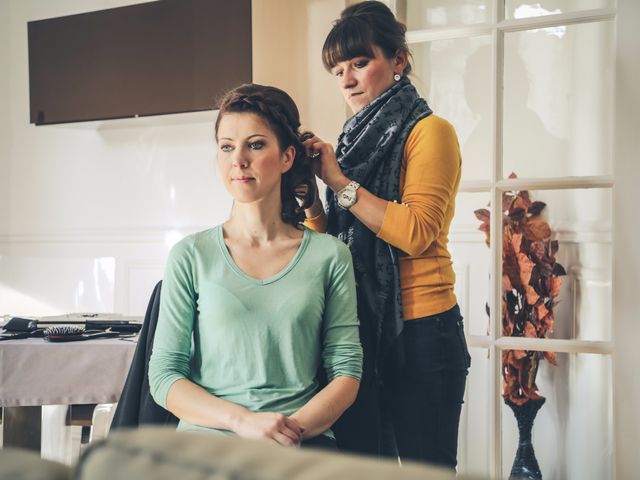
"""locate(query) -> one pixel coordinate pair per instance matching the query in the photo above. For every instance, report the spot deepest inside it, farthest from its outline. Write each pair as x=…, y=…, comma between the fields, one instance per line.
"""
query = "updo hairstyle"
x=281, y=114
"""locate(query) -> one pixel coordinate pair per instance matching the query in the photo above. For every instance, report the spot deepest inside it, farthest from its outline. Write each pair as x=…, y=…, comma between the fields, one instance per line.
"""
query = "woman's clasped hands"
x=269, y=426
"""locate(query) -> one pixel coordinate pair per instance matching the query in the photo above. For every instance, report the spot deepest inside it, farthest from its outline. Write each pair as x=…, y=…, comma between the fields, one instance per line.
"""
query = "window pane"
x=572, y=433
x=455, y=78
x=526, y=8
x=558, y=85
x=424, y=14
x=473, y=455
x=471, y=261
x=580, y=307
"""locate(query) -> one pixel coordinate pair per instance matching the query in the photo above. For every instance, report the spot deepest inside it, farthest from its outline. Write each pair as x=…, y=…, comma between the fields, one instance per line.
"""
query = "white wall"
x=287, y=46
x=126, y=190
x=5, y=124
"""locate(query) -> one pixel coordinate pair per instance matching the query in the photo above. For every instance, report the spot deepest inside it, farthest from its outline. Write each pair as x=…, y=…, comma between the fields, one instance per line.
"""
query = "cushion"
x=163, y=454
x=19, y=464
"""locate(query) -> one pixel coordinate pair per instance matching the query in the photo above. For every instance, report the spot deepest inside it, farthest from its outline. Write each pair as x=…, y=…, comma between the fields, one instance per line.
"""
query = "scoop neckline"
x=232, y=264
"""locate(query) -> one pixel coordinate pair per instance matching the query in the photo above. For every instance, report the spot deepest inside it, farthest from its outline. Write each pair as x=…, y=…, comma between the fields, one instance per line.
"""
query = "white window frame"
x=494, y=342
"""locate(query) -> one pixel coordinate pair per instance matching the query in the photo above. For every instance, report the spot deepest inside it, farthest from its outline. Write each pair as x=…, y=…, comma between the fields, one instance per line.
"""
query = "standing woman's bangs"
x=349, y=38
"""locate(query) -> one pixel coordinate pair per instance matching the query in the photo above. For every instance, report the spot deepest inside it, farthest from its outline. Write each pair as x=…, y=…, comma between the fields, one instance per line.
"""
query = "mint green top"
x=256, y=343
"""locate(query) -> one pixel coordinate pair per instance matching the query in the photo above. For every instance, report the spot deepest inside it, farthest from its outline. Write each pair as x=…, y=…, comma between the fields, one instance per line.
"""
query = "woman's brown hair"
x=280, y=112
x=361, y=27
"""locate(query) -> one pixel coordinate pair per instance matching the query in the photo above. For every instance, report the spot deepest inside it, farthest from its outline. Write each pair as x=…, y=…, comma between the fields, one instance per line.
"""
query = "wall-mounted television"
x=167, y=56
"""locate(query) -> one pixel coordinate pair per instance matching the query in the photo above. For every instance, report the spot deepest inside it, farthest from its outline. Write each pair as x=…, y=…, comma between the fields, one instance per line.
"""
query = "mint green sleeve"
x=170, y=359
x=342, y=351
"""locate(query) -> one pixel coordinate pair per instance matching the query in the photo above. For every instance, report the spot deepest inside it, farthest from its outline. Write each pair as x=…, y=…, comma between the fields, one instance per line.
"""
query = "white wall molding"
x=564, y=233
x=115, y=235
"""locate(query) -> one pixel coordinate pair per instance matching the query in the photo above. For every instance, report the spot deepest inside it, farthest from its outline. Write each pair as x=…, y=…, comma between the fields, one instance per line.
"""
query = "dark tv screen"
x=168, y=56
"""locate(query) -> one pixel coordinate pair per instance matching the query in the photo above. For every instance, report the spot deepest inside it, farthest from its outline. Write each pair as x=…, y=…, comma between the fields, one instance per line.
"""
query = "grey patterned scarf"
x=370, y=151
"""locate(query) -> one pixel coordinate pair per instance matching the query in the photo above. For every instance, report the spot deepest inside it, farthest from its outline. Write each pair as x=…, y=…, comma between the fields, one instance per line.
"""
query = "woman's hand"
x=267, y=425
x=325, y=165
x=316, y=207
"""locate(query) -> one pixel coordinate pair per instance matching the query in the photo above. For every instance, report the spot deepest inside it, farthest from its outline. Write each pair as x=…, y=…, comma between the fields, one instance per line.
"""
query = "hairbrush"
x=72, y=333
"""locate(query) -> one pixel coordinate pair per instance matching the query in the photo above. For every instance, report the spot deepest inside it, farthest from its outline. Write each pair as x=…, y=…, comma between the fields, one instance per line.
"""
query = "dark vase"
x=525, y=466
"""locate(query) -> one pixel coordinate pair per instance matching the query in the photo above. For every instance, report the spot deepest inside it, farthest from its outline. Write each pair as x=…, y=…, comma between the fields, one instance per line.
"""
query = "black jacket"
x=136, y=406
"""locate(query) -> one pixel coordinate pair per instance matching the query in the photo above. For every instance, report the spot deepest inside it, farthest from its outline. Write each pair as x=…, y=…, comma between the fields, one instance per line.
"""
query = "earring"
x=397, y=77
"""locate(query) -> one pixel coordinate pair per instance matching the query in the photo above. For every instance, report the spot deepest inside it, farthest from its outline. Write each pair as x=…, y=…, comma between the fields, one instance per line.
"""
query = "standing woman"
x=390, y=198
x=252, y=308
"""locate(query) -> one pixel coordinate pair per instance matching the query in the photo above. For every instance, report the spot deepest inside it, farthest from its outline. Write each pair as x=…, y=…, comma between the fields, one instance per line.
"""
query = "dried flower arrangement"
x=531, y=279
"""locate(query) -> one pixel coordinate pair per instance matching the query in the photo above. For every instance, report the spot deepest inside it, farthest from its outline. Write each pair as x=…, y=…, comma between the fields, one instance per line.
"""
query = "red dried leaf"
x=537, y=249
x=559, y=270
x=518, y=400
x=532, y=393
x=506, y=283
x=537, y=229
x=526, y=266
x=513, y=175
x=519, y=354
x=519, y=202
x=530, y=330
x=536, y=208
x=553, y=247
x=548, y=322
x=483, y=215
x=554, y=286
x=511, y=268
x=516, y=241
x=532, y=295
x=542, y=310
x=551, y=358
x=517, y=214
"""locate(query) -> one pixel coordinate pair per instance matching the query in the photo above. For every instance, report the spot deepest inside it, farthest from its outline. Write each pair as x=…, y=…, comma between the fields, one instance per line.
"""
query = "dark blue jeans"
x=416, y=414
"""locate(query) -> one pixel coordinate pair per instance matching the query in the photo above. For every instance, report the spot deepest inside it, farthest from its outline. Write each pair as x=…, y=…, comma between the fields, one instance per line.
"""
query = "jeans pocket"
x=463, y=342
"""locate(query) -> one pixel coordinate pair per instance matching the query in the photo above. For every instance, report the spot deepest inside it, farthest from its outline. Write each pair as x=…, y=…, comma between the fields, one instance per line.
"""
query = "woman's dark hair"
x=361, y=27
x=279, y=111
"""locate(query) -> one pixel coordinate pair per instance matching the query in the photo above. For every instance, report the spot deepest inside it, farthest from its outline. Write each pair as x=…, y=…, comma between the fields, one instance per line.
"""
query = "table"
x=35, y=372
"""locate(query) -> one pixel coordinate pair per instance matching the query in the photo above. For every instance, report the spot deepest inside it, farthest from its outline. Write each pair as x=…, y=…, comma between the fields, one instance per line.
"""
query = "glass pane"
x=424, y=14
x=455, y=78
x=539, y=299
x=558, y=101
x=572, y=432
x=471, y=262
x=526, y=8
x=473, y=455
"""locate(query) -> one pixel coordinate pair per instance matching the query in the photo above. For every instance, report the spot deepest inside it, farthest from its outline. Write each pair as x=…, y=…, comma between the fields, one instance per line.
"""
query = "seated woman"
x=251, y=309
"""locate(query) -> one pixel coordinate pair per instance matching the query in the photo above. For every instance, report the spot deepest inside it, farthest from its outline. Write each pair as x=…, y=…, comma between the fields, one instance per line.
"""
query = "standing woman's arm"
x=432, y=174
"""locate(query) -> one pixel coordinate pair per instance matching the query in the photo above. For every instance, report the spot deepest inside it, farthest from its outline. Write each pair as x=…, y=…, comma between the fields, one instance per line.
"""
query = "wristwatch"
x=347, y=196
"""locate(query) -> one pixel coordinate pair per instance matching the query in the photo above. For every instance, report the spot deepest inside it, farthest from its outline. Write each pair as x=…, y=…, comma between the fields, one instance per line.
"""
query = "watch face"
x=347, y=197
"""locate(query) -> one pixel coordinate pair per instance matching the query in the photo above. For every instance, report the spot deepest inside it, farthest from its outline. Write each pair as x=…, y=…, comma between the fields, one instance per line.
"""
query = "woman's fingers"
x=313, y=145
x=287, y=432
x=292, y=424
x=325, y=164
x=284, y=440
x=293, y=437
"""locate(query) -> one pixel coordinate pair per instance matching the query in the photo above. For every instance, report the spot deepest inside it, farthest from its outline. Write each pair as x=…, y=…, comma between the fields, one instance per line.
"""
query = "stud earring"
x=397, y=77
